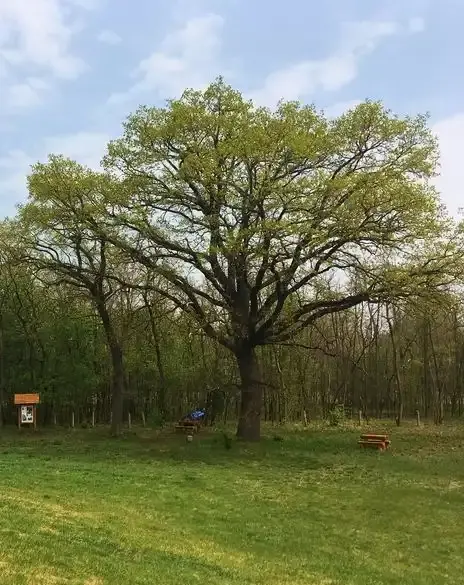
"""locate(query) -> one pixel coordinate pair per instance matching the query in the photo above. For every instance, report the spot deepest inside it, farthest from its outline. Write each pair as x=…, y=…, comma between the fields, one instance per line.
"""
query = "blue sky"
x=71, y=70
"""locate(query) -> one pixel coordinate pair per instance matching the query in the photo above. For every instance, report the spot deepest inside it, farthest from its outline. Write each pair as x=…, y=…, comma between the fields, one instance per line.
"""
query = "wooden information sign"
x=20, y=399
x=27, y=408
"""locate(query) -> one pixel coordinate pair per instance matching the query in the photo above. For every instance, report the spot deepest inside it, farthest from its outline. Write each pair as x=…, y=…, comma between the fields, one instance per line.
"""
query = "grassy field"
x=77, y=508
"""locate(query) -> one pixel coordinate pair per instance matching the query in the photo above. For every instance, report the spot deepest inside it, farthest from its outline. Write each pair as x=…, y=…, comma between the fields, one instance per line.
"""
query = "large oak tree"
x=261, y=222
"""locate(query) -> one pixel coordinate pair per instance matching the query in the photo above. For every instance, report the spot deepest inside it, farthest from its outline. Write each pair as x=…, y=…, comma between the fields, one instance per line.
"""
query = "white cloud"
x=330, y=73
x=185, y=58
x=85, y=147
x=38, y=36
x=26, y=94
x=35, y=47
x=87, y=4
x=340, y=108
x=109, y=37
x=450, y=183
x=416, y=25
x=14, y=166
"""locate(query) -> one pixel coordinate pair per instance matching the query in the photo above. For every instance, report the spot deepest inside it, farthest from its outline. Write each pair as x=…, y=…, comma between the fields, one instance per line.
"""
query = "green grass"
x=81, y=509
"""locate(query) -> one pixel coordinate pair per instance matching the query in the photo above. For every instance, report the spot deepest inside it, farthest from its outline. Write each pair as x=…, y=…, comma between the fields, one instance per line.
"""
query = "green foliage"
x=278, y=204
x=337, y=415
x=227, y=441
x=155, y=420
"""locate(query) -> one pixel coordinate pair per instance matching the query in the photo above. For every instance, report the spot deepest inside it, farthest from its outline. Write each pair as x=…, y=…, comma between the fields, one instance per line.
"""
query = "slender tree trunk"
x=438, y=383
x=2, y=370
x=425, y=360
x=397, y=373
x=117, y=390
x=282, y=390
x=117, y=362
x=159, y=360
x=249, y=422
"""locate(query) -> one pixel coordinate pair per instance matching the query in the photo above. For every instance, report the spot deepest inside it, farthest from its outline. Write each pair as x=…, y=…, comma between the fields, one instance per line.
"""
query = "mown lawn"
x=78, y=508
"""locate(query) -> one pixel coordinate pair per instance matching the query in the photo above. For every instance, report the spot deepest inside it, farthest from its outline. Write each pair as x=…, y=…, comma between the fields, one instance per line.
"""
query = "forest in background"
x=386, y=361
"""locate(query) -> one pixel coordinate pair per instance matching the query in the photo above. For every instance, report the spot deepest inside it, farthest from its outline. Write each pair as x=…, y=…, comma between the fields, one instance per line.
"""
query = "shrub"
x=337, y=415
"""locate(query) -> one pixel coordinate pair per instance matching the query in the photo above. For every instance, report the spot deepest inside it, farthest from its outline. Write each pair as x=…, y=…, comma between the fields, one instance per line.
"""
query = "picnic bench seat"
x=187, y=426
x=374, y=441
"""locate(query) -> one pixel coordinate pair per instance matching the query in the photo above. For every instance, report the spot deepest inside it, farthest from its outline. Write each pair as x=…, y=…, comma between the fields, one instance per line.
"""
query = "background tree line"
x=384, y=360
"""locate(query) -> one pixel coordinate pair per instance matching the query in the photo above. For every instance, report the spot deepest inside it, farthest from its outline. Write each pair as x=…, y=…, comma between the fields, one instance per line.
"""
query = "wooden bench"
x=372, y=441
x=187, y=426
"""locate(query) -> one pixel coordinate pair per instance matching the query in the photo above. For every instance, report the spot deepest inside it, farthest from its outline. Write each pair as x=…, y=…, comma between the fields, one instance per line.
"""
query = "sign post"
x=27, y=409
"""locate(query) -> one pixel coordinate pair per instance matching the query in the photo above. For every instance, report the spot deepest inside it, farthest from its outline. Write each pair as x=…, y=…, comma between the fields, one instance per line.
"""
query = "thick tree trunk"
x=249, y=422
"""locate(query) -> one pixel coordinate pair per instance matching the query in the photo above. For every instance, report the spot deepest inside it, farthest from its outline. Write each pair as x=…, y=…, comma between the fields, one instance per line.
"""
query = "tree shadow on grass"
x=143, y=447
x=285, y=452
